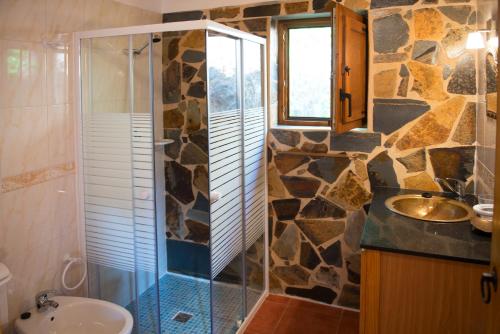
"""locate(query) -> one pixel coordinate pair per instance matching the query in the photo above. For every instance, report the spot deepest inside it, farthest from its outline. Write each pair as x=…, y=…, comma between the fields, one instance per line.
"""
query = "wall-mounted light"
x=493, y=44
x=475, y=41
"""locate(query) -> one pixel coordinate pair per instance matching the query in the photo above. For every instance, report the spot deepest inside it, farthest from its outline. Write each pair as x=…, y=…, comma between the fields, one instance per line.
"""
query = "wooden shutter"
x=351, y=68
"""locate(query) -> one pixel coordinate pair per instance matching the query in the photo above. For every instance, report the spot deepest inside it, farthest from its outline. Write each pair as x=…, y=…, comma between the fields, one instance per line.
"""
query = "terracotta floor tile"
x=298, y=306
x=278, y=299
x=267, y=317
x=349, y=323
x=283, y=315
x=309, y=318
x=307, y=324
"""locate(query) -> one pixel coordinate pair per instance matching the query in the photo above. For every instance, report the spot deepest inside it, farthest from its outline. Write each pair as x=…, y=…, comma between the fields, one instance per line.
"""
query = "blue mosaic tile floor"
x=190, y=295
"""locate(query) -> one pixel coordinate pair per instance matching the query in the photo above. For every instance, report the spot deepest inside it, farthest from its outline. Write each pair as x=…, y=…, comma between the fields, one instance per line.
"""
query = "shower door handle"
x=214, y=197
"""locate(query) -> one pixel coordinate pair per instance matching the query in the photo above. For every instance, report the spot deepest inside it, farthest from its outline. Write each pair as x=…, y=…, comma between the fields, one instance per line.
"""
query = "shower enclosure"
x=172, y=169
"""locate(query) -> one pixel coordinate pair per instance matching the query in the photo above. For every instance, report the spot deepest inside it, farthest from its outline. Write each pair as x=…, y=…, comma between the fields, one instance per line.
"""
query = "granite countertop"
x=388, y=231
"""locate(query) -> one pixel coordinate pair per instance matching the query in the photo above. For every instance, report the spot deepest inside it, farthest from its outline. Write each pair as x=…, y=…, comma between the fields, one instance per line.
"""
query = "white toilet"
x=5, y=276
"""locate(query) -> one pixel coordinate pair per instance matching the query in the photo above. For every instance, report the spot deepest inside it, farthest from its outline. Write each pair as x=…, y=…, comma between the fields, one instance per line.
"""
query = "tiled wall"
x=422, y=103
x=487, y=95
x=37, y=159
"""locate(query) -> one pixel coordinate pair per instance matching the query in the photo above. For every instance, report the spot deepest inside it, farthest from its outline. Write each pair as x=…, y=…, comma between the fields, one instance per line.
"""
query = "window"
x=322, y=68
x=305, y=72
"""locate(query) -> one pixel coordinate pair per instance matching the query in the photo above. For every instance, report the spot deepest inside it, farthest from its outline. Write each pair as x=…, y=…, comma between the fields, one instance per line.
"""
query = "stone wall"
x=422, y=107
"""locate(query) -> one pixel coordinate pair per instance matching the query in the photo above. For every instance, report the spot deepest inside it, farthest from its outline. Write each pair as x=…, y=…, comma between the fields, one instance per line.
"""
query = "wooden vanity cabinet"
x=405, y=294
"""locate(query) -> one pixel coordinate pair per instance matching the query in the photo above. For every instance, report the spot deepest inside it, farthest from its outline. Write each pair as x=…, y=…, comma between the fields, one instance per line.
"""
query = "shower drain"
x=182, y=317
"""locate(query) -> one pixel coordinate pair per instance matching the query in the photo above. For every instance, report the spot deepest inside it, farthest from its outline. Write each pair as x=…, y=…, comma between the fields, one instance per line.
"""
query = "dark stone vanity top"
x=388, y=231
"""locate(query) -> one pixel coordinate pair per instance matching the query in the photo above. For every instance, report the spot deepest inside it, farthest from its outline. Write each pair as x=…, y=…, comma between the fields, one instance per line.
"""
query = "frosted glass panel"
x=118, y=175
x=226, y=163
x=254, y=172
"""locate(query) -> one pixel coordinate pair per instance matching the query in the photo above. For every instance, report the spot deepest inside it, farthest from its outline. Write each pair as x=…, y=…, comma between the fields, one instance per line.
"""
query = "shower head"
x=156, y=38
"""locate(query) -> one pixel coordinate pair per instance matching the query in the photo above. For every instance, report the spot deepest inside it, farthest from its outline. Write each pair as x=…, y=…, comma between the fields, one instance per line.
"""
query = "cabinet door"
x=416, y=295
x=351, y=65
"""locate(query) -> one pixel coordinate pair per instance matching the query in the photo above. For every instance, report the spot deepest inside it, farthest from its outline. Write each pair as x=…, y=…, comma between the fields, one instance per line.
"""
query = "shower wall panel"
x=237, y=173
x=191, y=191
x=186, y=160
x=254, y=157
x=118, y=172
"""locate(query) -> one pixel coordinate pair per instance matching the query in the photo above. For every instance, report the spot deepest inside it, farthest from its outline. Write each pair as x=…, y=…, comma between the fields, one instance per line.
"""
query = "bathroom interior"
x=248, y=166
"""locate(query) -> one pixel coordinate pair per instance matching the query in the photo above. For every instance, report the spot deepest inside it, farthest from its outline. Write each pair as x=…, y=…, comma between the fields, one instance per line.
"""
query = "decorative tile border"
x=28, y=179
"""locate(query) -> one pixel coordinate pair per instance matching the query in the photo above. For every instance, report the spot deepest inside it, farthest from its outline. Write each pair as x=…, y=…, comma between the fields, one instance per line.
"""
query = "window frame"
x=283, y=72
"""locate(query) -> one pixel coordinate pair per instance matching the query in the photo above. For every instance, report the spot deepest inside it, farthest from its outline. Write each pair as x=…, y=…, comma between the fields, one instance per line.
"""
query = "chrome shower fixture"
x=156, y=38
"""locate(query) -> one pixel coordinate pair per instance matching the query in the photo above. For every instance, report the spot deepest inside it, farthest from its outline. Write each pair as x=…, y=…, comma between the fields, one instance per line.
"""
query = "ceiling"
x=182, y=5
x=168, y=6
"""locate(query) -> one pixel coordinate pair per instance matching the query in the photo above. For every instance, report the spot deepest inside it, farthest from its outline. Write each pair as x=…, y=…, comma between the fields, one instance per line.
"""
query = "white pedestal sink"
x=76, y=315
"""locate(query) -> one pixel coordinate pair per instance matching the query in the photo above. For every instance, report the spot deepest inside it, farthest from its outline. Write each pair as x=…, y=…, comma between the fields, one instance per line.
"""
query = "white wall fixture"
x=5, y=277
x=475, y=40
x=69, y=262
x=78, y=315
x=493, y=43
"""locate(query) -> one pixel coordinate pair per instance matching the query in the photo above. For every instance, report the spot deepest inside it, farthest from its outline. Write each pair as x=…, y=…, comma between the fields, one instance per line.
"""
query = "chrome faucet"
x=43, y=302
x=458, y=186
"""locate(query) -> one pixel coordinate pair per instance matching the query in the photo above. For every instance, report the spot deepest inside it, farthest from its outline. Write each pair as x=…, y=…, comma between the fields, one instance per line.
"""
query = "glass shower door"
x=237, y=178
x=254, y=143
x=226, y=182
x=118, y=175
x=175, y=222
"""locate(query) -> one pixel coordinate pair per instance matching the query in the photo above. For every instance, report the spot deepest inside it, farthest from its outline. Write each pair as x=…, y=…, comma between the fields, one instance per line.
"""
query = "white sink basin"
x=77, y=315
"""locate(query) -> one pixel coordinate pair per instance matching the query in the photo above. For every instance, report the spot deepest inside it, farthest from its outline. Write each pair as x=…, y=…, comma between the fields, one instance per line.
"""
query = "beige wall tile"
x=101, y=14
x=23, y=214
x=63, y=16
x=38, y=226
x=22, y=20
x=22, y=74
x=38, y=218
x=61, y=137
x=59, y=60
x=24, y=139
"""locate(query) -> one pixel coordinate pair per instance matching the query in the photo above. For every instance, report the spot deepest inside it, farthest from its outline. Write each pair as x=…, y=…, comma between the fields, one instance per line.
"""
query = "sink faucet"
x=458, y=186
x=43, y=302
